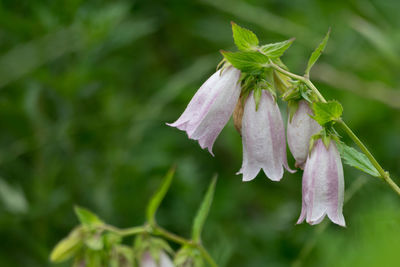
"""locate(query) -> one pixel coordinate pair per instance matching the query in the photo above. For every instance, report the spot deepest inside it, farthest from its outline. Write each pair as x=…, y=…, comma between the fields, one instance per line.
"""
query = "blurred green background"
x=86, y=89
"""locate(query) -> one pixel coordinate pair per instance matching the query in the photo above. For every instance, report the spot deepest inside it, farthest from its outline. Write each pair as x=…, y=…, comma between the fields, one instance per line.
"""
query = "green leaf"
x=244, y=39
x=157, y=198
x=327, y=112
x=357, y=159
x=276, y=50
x=67, y=247
x=202, y=212
x=86, y=217
x=250, y=61
x=317, y=52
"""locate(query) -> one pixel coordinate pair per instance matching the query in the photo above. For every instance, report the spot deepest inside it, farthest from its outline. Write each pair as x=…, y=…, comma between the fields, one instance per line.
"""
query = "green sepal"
x=307, y=94
x=121, y=256
x=293, y=94
x=94, y=240
x=157, y=198
x=244, y=39
x=317, y=53
x=276, y=50
x=356, y=159
x=257, y=96
x=247, y=61
x=282, y=82
x=152, y=245
x=203, y=211
x=325, y=113
x=86, y=217
x=188, y=256
x=292, y=106
x=326, y=139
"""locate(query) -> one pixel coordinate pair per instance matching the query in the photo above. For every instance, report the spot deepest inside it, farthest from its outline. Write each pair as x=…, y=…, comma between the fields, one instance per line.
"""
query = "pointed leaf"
x=356, y=159
x=244, y=39
x=249, y=61
x=317, y=52
x=86, y=217
x=202, y=213
x=157, y=198
x=327, y=112
x=276, y=50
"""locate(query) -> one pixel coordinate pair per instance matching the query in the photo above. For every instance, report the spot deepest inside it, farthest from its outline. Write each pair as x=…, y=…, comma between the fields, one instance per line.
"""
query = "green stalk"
x=384, y=175
x=159, y=231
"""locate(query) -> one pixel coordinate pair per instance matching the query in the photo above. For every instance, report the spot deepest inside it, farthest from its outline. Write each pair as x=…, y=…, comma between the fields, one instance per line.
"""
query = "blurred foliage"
x=86, y=89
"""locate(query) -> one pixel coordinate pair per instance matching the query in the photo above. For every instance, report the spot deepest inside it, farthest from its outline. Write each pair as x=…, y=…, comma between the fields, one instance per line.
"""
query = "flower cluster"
x=250, y=94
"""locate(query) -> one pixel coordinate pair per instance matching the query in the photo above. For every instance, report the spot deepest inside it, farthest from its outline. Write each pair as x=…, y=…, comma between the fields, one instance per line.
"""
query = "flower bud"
x=300, y=129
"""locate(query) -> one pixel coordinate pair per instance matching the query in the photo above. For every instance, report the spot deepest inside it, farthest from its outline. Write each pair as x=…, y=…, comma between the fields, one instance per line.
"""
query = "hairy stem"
x=384, y=175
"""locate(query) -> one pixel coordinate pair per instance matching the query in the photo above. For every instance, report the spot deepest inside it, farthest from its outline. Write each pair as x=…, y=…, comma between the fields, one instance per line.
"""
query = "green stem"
x=384, y=175
x=126, y=232
x=159, y=231
x=171, y=236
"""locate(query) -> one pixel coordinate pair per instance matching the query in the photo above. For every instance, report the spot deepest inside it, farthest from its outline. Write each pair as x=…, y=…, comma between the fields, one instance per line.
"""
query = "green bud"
x=68, y=247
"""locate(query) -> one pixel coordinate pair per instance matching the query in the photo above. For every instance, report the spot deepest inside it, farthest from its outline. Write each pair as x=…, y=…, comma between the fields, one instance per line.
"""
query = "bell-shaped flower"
x=300, y=129
x=211, y=107
x=147, y=260
x=323, y=185
x=263, y=137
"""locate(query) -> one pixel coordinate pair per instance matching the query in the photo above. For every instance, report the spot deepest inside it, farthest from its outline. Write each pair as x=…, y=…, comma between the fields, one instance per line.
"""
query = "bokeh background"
x=87, y=86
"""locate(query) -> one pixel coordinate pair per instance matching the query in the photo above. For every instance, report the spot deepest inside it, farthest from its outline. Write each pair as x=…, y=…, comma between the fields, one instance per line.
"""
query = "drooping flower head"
x=323, y=185
x=263, y=137
x=211, y=107
x=301, y=127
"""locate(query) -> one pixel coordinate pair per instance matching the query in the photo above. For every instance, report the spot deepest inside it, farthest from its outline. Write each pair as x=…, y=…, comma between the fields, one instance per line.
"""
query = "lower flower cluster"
x=264, y=140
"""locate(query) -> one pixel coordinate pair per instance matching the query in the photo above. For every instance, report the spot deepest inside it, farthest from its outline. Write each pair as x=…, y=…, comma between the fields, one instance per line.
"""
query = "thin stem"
x=126, y=232
x=157, y=230
x=385, y=175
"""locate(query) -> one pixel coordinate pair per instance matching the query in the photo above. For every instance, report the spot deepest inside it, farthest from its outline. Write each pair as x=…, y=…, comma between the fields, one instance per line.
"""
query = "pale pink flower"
x=148, y=261
x=263, y=137
x=323, y=185
x=299, y=132
x=211, y=107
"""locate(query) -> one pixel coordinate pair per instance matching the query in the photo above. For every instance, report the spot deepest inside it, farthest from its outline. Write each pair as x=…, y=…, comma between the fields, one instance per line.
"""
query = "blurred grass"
x=86, y=89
